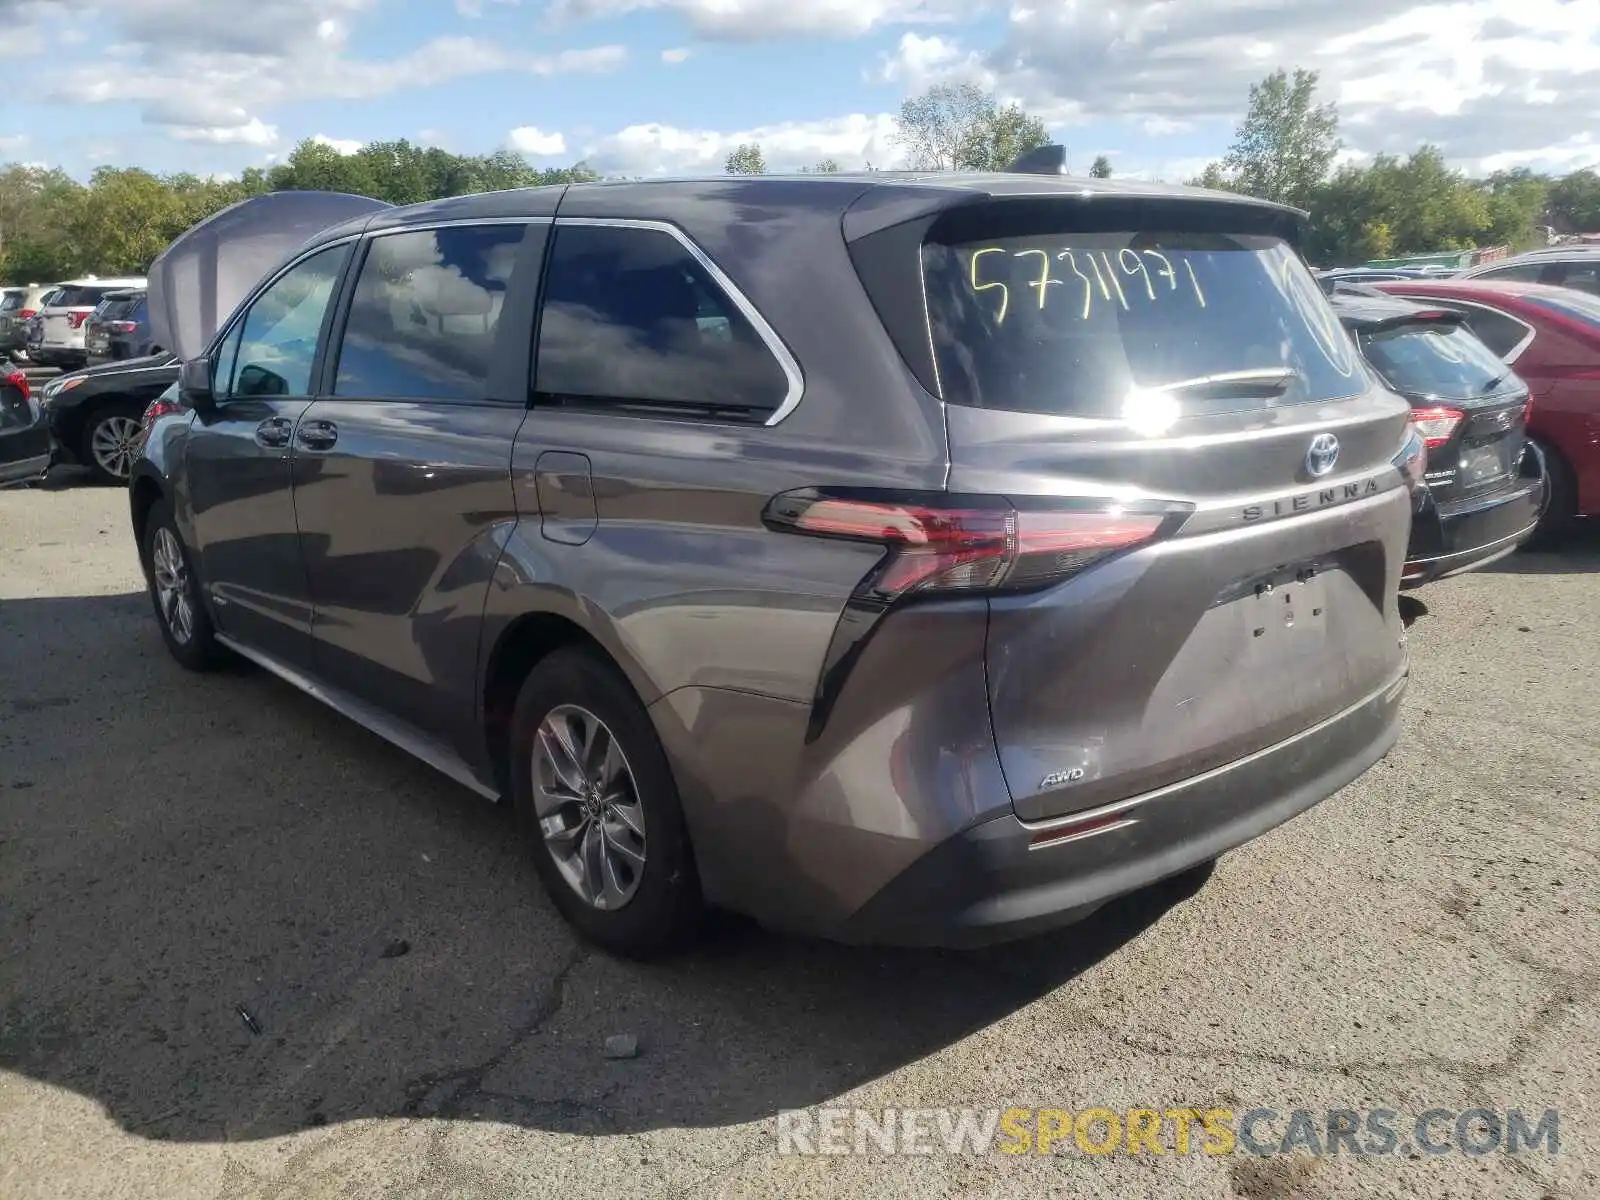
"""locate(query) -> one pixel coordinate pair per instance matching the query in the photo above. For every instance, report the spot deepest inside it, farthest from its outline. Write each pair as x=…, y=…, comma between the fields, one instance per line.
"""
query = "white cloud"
x=472, y=9
x=677, y=54
x=853, y=141
x=755, y=20
x=346, y=146
x=1480, y=78
x=181, y=61
x=253, y=132
x=12, y=142
x=917, y=61
x=529, y=139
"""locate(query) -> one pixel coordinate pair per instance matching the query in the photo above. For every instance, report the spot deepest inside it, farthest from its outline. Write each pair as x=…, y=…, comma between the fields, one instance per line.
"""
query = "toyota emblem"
x=1322, y=454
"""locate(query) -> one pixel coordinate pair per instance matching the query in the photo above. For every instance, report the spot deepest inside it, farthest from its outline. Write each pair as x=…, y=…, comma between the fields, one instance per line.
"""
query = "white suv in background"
x=63, y=315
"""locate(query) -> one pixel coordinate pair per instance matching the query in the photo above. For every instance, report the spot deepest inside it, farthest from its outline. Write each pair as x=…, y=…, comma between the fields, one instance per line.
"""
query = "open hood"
x=200, y=279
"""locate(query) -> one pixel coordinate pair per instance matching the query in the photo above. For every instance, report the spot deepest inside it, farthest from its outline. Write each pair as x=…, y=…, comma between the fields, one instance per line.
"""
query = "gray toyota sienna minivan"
x=918, y=560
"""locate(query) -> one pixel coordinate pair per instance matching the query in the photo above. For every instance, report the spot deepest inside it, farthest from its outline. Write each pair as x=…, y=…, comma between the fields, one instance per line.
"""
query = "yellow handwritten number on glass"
x=1044, y=281
x=1005, y=292
x=1088, y=288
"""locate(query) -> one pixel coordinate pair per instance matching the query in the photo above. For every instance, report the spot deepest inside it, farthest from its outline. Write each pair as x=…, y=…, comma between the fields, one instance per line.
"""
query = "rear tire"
x=110, y=442
x=175, y=594
x=603, y=821
x=1561, y=498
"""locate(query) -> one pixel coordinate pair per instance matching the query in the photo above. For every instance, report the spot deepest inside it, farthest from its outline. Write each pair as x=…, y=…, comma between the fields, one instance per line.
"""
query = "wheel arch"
x=145, y=491
x=513, y=651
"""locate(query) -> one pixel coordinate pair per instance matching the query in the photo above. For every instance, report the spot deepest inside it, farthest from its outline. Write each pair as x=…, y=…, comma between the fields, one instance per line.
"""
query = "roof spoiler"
x=1044, y=160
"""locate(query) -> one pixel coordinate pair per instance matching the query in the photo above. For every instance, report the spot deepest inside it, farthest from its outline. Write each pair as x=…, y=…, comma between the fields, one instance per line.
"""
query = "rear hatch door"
x=1469, y=405
x=1180, y=353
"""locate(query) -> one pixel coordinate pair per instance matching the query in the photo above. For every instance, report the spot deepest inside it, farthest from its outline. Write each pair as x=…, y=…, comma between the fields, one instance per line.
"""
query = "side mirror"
x=194, y=384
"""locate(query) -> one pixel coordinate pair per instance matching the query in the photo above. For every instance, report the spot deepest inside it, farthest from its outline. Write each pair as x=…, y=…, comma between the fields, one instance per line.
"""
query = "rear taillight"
x=1437, y=425
x=943, y=543
x=121, y=326
x=28, y=312
x=160, y=407
x=19, y=381
x=76, y=319
x=1527, y=412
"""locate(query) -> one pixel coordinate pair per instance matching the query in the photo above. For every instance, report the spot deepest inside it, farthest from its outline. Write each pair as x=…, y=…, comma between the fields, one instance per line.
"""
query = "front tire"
x=598, y=808
x=111, y=443
x=175, y=594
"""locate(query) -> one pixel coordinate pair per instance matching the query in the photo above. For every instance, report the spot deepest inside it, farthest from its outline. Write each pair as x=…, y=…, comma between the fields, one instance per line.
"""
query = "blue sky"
x=667, y=86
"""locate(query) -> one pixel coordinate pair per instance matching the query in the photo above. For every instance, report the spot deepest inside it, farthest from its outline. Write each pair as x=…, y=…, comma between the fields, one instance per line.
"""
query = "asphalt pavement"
x=249, y=950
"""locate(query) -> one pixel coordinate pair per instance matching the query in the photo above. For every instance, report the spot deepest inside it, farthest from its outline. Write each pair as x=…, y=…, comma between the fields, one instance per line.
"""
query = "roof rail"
x=1044, y=160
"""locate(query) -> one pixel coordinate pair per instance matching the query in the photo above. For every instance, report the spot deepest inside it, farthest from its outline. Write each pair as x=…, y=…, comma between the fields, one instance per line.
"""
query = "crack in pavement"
x=445, y=1093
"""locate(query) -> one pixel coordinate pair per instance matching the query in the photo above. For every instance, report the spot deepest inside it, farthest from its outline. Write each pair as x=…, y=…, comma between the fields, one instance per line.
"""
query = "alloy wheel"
x=171, y=575
x=114, y=444
x=588, y=807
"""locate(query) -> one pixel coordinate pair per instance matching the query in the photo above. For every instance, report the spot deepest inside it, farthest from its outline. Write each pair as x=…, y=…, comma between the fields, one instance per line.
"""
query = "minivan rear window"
x=1442, y=359
x=11, y=301
x=1085, y=324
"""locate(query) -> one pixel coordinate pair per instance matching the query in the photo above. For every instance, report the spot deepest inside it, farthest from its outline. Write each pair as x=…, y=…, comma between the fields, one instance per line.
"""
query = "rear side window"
x=426, y=307
x=1436, y=359
x=1090, y=324
x=1519, y=273
x=11, y=301
x=77, y=297
x=1575, y=306
x=632, y=317
x=1503, y=334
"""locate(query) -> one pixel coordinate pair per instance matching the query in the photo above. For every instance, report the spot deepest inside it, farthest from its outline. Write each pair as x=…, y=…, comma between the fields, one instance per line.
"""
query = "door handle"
x=274, y=431
x=317, y=435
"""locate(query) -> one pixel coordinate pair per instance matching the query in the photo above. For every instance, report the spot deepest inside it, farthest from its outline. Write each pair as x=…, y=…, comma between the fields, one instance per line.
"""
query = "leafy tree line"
x=1286, y=149
x=52, y=227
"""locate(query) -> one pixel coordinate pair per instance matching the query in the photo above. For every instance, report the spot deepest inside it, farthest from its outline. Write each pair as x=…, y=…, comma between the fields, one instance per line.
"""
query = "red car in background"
x=1551, y=336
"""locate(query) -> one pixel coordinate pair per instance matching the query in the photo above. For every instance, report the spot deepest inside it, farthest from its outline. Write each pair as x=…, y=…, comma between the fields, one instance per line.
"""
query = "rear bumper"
x=23, y=469
x=1451, y=538
x=993, y=883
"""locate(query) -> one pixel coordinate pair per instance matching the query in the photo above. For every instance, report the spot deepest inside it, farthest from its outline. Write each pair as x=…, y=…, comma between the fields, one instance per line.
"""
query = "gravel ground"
x=174, y=849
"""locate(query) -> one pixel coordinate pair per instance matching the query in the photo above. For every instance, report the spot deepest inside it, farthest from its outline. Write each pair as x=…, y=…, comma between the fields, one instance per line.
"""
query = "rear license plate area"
x=1287, y=602
x=1479, y=465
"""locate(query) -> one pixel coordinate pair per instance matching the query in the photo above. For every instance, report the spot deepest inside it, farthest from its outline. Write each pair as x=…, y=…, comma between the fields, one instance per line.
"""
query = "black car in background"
x=119, y=329
x=24, y=437
x=94, y=414
x=1482, y=495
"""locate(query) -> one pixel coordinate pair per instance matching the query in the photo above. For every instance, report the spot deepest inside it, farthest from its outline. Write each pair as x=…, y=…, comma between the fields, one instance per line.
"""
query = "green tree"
x=1101, y=168
x=1575, y=203
x=826, y=167
x=1283, y=148
x=1215, y=178
x=1517, y=200
x=746, y=159
x=961, y=127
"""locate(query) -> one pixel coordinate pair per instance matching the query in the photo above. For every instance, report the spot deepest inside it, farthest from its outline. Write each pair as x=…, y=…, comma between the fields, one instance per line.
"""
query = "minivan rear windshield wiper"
x=1495, y=382
x=1261, y=381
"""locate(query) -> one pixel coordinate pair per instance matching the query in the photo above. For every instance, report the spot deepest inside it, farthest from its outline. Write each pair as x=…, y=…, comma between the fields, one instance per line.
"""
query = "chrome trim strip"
x=446, y=762
x=453, y=223
x=1120, y=806
x=1068, y=839
x=1509, y=542
x=786, y=360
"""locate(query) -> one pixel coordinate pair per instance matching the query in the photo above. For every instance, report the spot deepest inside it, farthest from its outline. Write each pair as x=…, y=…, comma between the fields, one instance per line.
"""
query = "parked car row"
x=1575, y=266
x=75, y=323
